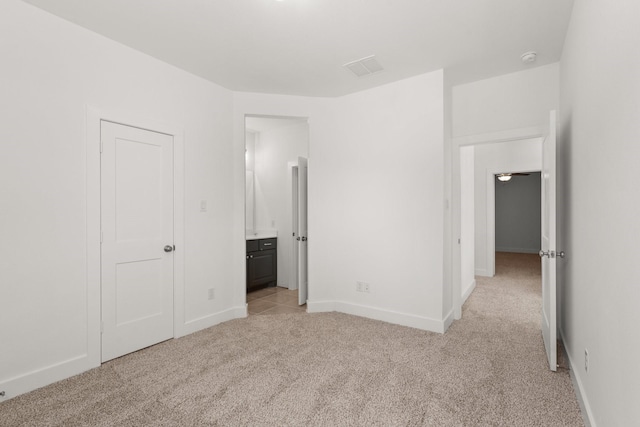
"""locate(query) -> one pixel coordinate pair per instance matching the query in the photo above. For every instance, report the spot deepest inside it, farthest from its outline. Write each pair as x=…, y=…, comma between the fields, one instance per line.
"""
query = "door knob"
x=168, y=248
x=304, y=239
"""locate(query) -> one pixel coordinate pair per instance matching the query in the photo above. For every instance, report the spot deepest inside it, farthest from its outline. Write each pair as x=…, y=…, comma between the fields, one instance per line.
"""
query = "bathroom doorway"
x=275, y=150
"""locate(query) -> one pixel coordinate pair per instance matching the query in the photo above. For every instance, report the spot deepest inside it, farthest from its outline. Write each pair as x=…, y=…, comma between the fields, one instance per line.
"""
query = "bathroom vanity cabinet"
x=262, y=263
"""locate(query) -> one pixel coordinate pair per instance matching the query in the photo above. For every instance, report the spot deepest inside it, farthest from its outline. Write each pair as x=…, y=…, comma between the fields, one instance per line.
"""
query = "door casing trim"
x=94, y=116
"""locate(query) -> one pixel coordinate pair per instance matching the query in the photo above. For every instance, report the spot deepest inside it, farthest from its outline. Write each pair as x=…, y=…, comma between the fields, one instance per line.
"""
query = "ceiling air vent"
x=365, y=66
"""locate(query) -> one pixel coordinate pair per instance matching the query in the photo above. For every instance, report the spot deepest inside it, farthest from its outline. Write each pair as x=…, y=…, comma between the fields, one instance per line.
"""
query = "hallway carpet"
x=331, y=369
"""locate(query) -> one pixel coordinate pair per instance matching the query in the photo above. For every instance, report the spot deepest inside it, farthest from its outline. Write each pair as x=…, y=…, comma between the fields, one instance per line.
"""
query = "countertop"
x=262, y=235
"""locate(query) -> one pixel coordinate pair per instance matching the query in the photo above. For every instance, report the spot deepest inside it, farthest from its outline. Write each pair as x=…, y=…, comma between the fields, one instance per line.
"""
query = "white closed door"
x=302, y=239
x=548, y=243
x=137, y=238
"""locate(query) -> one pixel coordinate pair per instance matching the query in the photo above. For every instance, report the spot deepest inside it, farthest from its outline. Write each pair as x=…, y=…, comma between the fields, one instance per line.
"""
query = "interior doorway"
x=276, y=152
x=524, y=150
x=517, y=212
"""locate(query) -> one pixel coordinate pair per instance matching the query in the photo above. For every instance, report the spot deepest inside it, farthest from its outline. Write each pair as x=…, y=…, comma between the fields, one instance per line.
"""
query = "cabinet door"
x=261, y=268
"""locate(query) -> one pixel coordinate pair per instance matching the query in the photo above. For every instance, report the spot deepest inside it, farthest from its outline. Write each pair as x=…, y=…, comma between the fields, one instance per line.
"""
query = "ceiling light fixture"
x=529, y=57
x=504, y=177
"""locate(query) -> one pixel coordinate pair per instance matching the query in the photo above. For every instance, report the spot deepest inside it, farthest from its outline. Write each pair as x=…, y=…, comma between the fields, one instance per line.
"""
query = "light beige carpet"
x=331, y=369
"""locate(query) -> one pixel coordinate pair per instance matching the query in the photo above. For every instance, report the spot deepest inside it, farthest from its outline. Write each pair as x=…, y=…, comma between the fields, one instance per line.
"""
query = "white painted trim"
x=491, y=220
x=41, y=377
x=448, y=320
x=469, y=291
x=481, y=272
x=92, y=169
x=491, y=223
x=320, y=306
x=213, y=319
x=581, y=396
x=389, y=316
x=501, y=136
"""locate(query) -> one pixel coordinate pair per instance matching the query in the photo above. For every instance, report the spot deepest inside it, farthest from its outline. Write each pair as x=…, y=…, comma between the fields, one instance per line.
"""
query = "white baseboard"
x=320, y=306
x=210, y=320
x=482, y=272
x=585, y=408
x=38, y=378
x=468, y=292
x=397, y=318
x=448, y=320
x=35, y=379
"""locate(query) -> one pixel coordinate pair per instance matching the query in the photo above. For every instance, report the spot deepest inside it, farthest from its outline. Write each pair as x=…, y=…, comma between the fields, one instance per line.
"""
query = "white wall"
x=599, y=204
x=379, y=214
x=511, y=101
x=518, y=214
x=51, y=70
x=513, y=156
x=275, y=148
x=375, y=197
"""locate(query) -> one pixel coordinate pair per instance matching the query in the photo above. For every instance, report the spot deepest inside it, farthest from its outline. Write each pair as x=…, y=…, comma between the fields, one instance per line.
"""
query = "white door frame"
x=458, y=142
x=93, y=118
x=491, y=215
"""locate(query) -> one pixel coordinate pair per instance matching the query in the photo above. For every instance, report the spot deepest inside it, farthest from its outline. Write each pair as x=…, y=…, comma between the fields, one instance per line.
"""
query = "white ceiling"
x=298, y=47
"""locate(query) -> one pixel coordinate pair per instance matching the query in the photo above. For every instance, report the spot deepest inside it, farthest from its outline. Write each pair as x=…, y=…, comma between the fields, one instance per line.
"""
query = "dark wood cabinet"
x=262, y=263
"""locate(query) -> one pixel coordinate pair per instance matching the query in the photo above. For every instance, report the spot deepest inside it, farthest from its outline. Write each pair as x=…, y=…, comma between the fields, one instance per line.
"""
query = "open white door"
x=301, y=234
x=293, y=274
x=137, y=244
x=548, y=244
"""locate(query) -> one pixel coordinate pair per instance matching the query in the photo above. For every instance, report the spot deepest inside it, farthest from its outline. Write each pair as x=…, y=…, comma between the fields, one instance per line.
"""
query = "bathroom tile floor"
x=274, y=301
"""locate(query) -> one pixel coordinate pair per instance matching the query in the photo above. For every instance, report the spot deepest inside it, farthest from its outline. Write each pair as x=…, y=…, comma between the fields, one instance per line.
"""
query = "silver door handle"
x=266, y=244
x=168, y=248
x=549, y=254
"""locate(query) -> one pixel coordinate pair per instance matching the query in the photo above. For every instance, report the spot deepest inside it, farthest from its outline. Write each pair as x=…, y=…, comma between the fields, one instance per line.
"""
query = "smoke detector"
x=529, y=57
x=364, y=66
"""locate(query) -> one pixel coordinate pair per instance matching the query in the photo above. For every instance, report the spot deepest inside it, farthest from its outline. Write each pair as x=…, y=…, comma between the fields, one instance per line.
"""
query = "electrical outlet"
x=586, y=360
x=212, y=293
x=358, y=286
